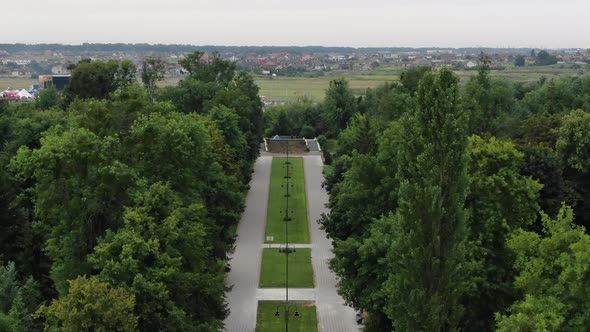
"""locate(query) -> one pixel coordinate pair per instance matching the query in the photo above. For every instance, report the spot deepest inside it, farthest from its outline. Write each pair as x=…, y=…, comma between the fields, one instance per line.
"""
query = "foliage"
x=552, y=276
x=160, y=255
x=544, y=59
x=5, y=323
x=519, y=60
x=540, y=129
x=573, y=147
x=544, y=165
x=574, y=140
x=90, y=305
x=488, y=101
x=500, y=200
x=18, y=299
x=340, y=105
x=79, y=191
x=410, y=78
x=302, y=119
x=215, y=83
x=99, y=79
x=213, y=70
x=427, y=254
x=152, y=72
x=48, y=98
x=558, y=96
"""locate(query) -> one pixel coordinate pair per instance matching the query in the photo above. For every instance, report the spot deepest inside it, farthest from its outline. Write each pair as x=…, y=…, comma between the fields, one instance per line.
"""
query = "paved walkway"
x=295, y=294
x=245, y=262
x=333, y=314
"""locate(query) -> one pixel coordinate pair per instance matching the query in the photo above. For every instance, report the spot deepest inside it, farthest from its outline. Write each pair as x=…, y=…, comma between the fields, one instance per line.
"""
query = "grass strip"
x=267, y=321
x=272, y=274
x=275, y=223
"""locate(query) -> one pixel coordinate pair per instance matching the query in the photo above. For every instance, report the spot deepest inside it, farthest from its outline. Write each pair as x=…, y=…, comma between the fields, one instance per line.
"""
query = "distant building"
x=57, y=81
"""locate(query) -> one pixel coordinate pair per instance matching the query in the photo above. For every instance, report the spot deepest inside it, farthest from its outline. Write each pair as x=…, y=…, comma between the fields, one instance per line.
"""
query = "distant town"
x=50, y=62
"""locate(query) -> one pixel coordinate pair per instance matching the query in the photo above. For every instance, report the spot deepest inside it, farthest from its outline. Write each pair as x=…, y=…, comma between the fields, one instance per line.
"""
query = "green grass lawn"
x=275, y=224
x=266, y=321
x=272, y=274
x=296, y=88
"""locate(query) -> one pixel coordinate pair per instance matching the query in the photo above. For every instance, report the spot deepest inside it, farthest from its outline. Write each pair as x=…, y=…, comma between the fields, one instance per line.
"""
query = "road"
x=333, y=314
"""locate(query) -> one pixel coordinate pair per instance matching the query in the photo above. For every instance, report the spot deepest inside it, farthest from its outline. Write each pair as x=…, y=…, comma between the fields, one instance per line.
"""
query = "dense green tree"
x=48, y=98
x=152, y=72
x=367, y=191
x=98, y=79
x=22, y=125
x=410, y=78
x=519, y=61
x=544, y=165
x=18, y=299
x=558, y=96
x=231, y=140
x=340, y=105
x=8, y=286
x=215, y=83
x=304, y=119
x=552, y=276
x=427, y=254
x=6, y=323
x=540, y=129
x=574, y=141
x=79, y=191
x=573, y=147
x=211, y=70
x=91, y=305
x=500, y=200
x=242, y=96
x=182, y=140
x=490, y=102
x=163, y=255
x=544, y=59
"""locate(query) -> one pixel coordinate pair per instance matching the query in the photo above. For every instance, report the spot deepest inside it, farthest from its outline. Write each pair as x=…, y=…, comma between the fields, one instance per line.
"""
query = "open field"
x=296, y=88
x=298, y=225
x=266, y=321
x=272, y=273
x=16, y=83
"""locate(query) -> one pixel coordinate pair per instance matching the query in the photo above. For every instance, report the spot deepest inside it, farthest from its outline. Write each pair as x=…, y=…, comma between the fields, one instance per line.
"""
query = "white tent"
x=24, y=94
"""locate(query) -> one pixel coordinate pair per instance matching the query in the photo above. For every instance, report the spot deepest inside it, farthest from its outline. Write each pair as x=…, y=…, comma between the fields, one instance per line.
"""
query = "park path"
x=333, y=314
x=245, y=261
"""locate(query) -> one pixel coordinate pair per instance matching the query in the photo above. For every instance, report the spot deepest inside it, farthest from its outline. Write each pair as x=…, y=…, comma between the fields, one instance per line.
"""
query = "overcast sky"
x=358, y=23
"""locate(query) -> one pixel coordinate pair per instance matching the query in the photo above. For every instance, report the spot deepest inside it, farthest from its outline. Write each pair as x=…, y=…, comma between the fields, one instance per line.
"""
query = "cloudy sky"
x=414, y=23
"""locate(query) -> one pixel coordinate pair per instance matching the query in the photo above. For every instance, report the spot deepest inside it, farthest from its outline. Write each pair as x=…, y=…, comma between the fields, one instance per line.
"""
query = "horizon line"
x=288, y=46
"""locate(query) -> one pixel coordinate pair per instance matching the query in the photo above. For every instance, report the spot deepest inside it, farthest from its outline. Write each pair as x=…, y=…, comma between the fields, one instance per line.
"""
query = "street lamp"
x=287, y=250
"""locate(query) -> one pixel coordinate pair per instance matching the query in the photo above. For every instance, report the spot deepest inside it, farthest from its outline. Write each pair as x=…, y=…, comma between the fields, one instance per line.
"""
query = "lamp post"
x=287, y=250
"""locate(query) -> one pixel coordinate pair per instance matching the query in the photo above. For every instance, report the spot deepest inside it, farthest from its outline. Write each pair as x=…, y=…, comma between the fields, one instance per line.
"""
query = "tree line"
x=120, y=200
x=456, y=207
x=172, y=48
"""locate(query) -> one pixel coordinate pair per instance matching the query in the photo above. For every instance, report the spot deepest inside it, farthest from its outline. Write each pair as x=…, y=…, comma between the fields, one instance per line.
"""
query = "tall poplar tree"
x=427, y=253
